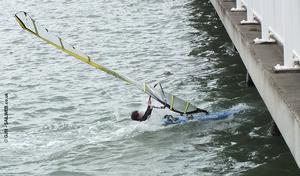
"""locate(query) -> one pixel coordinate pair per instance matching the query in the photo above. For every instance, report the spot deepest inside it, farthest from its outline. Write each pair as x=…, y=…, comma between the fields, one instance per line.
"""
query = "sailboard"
x=170, y=120
x=213, y=116
x=168, y=100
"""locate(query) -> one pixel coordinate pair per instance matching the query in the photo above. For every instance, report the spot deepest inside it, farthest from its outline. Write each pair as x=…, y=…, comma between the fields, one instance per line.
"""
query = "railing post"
x=250, y=15
x=239, y=7
x=265, y=16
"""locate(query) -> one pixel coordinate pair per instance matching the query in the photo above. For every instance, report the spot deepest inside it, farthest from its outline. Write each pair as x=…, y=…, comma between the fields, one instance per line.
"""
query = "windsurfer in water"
x=140, y=116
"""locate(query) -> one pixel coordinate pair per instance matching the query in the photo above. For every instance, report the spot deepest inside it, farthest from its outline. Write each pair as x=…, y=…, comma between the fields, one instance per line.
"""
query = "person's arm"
x=148, y=111
x=149, y=101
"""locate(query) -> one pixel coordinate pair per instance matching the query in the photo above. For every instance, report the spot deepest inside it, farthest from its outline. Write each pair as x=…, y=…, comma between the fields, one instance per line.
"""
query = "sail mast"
x=170, y=101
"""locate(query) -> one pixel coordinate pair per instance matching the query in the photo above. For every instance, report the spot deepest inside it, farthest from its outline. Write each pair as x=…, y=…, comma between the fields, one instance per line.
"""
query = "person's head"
x=135, y=115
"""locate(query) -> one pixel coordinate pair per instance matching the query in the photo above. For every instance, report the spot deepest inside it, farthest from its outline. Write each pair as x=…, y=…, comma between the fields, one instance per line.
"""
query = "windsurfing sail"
x=170, y=101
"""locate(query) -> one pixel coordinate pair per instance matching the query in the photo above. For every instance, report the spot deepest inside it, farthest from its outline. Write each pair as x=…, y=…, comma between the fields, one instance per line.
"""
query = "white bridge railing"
x=280, y=20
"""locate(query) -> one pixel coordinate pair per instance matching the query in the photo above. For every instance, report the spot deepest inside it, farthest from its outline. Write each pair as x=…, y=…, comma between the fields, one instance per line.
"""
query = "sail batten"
x=170, y=101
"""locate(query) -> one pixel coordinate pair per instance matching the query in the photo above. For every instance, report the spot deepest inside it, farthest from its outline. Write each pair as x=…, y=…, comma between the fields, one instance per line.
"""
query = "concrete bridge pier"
x=279, y=91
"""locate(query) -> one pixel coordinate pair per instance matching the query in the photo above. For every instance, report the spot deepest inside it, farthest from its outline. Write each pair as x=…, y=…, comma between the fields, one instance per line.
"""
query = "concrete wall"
x=279, y=91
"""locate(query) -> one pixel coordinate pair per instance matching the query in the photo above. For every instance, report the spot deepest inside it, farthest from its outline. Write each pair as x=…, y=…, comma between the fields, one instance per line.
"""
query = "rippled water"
x=67, y=119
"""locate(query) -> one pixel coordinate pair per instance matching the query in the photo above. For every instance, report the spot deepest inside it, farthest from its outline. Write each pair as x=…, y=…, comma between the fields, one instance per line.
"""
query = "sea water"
x=65, y=118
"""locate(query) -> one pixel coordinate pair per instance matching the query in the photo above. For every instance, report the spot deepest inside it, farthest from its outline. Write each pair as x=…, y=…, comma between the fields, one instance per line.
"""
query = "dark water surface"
x=67, y=119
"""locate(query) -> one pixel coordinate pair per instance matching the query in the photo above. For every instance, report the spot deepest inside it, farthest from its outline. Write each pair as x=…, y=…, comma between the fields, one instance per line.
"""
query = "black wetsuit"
x=147, y=114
